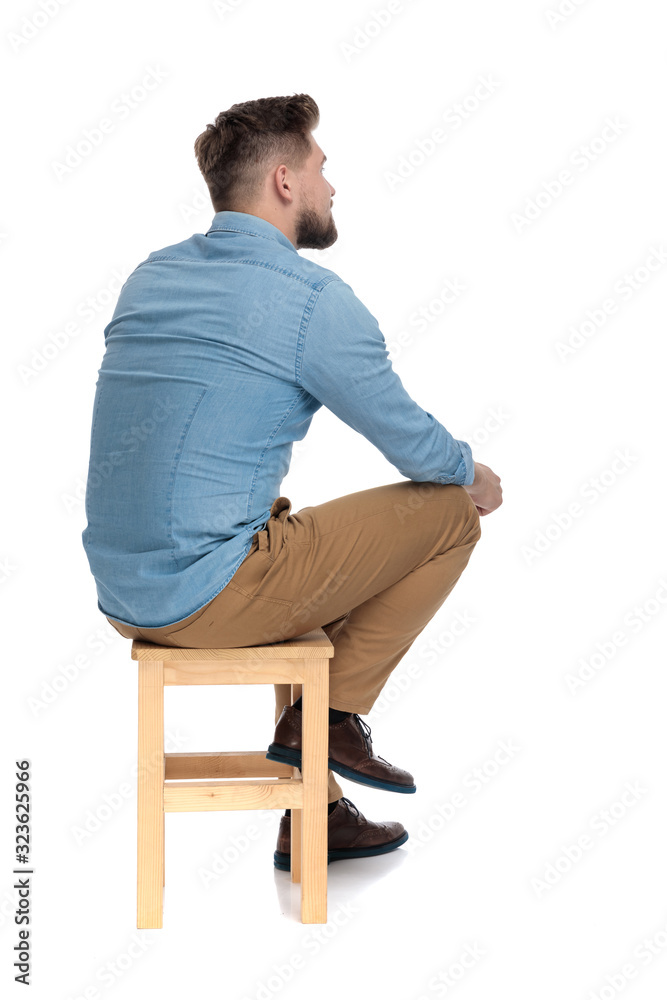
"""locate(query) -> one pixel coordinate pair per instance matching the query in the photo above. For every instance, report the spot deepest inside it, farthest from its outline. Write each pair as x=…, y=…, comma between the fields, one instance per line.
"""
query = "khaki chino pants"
x=371, y=568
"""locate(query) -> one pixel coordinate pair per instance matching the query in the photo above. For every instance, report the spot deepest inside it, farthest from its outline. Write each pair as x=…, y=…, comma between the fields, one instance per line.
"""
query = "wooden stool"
x=165, y=780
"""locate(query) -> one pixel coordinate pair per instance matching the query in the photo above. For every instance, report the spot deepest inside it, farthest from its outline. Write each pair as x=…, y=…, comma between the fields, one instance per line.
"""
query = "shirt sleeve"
x=345, y=365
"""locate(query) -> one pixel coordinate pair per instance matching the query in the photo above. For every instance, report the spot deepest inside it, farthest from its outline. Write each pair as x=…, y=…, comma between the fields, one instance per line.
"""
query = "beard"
x=314, y=232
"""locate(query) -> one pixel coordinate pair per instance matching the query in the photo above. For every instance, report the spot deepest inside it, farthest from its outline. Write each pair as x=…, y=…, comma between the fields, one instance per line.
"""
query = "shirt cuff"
x=467, y=464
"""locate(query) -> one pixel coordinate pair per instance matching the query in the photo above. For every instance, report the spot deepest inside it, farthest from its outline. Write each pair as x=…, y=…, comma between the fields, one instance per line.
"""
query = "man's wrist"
x=468, y=463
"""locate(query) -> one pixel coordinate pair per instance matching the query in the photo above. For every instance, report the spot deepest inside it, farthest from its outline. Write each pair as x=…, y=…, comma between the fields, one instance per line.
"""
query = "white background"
x=541, y=591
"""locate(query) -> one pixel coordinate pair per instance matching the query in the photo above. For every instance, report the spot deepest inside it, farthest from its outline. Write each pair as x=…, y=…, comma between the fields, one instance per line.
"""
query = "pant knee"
x=472, y=528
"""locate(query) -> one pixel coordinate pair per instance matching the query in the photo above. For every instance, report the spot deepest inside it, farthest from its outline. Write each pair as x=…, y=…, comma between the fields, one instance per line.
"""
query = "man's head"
x=260, y=157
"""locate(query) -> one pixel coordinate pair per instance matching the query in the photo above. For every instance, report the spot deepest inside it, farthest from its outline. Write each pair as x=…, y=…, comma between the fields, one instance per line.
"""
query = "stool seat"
x=196, y=782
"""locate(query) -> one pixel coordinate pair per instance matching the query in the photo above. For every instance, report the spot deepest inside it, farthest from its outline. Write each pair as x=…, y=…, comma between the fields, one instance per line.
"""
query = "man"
x=220, y=350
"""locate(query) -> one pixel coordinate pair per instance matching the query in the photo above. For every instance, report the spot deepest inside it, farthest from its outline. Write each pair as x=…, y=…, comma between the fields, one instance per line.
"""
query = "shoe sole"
x=284, y=755
x=281, y=860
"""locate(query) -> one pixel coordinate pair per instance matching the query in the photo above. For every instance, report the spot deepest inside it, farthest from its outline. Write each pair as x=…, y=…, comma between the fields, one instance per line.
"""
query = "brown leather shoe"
x=350, y=835
x=350, y=752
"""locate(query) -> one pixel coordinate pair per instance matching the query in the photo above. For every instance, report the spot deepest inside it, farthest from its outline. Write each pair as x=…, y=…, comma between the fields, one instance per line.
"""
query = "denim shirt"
x=219, y=351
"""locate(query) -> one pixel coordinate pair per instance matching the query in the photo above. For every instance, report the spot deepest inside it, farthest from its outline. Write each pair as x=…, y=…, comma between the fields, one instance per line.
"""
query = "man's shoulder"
x=313, y=273
x=192, y=248
x=198, y=248
x=310, y=275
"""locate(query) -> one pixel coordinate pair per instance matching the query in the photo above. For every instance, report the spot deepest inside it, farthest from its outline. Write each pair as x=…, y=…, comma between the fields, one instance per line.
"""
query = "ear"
x=283, y=181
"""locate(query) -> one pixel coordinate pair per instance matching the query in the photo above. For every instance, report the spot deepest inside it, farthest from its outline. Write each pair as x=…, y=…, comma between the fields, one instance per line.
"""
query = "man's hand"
x=486, y=491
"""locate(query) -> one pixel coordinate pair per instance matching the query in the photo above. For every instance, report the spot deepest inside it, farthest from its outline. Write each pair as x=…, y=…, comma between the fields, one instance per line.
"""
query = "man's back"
x=220, y=350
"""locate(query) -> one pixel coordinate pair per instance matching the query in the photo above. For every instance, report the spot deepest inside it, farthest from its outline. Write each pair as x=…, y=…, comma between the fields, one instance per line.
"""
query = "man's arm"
x=344, y=363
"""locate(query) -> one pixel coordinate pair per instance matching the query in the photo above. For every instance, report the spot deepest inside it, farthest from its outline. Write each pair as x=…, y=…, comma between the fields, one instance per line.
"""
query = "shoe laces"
x=350, y=805
x=365, y=731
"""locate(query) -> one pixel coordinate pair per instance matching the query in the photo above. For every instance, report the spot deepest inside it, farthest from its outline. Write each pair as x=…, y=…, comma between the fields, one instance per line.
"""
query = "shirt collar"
x=242, y=222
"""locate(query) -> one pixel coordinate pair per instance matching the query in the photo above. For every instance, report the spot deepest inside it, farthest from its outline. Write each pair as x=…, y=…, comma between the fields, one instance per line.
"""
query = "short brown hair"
x=235, y=153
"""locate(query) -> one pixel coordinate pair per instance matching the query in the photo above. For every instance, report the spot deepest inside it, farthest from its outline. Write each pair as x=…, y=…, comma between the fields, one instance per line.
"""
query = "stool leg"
x=314, y=770
x=295, y=824
x=150, y=795
x=296, y=691
x=295, y=837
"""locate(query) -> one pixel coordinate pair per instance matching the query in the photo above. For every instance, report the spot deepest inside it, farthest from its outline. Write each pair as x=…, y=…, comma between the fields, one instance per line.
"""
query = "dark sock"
x=332, y=806
x=334, y=714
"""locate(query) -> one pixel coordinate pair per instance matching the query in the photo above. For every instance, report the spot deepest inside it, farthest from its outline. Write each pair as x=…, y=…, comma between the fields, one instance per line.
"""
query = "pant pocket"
x=234, y=619
x=276, y=528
